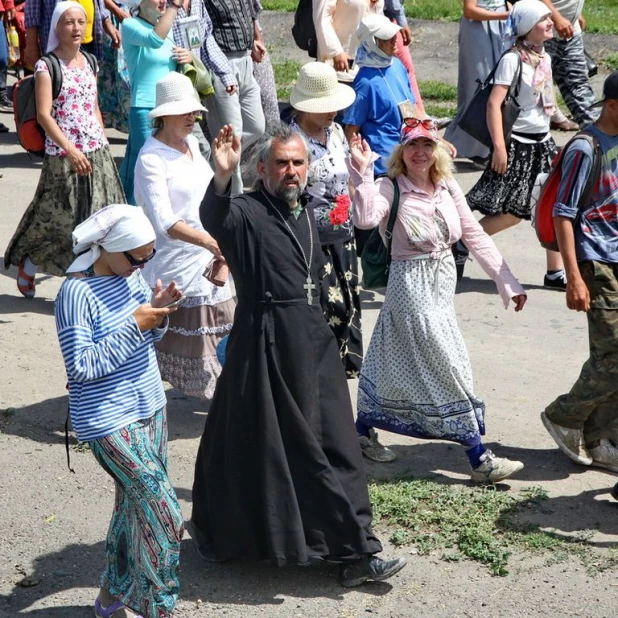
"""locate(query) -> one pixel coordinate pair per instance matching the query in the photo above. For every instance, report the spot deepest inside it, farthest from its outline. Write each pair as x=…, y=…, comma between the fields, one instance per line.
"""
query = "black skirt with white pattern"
x=510, y=192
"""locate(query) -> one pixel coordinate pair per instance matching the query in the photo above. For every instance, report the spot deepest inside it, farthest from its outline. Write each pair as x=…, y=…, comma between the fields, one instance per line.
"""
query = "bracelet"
x=176, y=6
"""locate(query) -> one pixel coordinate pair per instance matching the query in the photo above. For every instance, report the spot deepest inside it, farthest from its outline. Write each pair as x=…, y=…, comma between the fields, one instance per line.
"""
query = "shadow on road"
x=44, y=421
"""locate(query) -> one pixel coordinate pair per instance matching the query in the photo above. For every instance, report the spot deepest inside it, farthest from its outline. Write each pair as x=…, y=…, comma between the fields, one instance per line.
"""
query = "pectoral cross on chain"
x=309, y=286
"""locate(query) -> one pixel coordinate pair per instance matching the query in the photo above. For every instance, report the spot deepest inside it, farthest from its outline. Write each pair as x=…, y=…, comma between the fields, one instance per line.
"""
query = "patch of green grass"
x=286, y=74
x=440, y=111
x=437, y=91
x=447, y=10
x=468, y=523
x=601, y=15
x=611, y=61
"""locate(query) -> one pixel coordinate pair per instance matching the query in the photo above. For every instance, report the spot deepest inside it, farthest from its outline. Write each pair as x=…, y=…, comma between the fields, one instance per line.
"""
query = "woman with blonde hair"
x=416, y=378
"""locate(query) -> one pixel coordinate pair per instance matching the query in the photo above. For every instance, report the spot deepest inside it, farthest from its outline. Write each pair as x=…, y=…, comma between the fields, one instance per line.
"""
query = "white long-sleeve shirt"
x=336, y=22
x=170, y=186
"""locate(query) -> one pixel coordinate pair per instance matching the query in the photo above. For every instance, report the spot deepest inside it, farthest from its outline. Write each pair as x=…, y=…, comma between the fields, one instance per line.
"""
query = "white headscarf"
x=53, y=41
x=526, y=14
x=116, y=228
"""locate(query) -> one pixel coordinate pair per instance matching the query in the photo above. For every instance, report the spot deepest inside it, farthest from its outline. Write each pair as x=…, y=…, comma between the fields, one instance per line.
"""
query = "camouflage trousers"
x=592, y=402
x=570, y=73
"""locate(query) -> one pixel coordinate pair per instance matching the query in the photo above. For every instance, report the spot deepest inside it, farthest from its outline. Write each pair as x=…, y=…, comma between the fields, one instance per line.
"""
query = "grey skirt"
x=61, y=202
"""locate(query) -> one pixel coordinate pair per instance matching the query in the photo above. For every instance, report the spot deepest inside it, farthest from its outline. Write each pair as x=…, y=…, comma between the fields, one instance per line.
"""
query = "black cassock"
x=279, y=472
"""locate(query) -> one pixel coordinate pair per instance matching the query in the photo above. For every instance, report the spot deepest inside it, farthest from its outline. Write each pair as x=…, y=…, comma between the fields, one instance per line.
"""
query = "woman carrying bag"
x=503, y=192
x=416, y=378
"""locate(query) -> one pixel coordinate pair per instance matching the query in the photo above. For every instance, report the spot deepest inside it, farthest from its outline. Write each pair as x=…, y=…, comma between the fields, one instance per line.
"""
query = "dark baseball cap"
x=610, y=89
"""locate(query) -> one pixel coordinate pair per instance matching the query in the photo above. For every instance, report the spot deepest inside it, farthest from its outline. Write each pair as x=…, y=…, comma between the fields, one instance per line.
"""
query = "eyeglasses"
x=137, y=263
x=427, y=123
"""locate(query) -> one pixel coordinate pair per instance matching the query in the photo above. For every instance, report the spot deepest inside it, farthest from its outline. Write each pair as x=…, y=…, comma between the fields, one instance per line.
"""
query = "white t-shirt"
x=532, y=118
x=571, y=10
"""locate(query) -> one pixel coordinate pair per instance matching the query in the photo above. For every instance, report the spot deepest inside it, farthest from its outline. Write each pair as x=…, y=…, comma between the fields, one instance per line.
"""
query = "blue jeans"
x=4, y=59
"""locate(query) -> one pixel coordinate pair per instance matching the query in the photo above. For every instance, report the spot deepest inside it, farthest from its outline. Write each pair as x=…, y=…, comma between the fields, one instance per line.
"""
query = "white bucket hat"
x=317, y=90
x=175, y=96
x=378, y=27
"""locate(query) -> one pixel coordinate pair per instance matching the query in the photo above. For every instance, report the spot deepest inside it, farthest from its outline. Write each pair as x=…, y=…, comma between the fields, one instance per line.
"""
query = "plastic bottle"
x=13, y=40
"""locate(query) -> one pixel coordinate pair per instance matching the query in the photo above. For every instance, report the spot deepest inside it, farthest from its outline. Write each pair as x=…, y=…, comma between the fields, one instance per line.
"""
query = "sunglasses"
x=412, y=123
x=137, y=263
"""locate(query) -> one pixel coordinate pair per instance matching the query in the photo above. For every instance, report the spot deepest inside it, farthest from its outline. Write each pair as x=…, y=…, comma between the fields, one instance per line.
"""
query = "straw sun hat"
x=175, y=96
x=317, y=90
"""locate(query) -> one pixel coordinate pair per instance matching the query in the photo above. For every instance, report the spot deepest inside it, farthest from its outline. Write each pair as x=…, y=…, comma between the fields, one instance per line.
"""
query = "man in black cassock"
x=279, y=472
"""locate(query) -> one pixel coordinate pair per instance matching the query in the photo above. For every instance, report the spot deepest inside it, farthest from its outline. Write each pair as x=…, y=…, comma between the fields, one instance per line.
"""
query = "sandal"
x=107, y=612
x=27, y=289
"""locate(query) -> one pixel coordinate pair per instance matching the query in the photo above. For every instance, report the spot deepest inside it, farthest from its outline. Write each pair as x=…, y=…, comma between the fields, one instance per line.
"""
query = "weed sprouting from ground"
x=466, y=522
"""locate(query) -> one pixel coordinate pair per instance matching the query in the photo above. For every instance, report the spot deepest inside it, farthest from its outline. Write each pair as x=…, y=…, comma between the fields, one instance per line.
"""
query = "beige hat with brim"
x=175, y=96
x=317, y=90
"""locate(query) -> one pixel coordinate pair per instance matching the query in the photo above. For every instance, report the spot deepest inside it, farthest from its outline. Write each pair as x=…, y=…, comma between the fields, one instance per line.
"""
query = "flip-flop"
x=107, y=612
x=27, y=289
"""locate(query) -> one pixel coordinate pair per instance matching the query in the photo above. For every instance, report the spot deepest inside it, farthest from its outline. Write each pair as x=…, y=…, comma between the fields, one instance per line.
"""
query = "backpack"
x=29, y=132
x=303, y=29
x=545, y=192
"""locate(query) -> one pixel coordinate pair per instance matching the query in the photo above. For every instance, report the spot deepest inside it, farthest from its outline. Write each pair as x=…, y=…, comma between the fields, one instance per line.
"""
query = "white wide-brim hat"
x=377, y=27
x=317, y=90
x=175, y=96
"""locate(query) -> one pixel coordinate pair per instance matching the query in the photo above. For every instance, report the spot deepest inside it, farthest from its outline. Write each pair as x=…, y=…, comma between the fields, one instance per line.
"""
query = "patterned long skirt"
x=61, y=202
x=416, y=379
x=114, y=85
x=340, y=301
x=187, y=354
x=510, y=193
x=143, y=540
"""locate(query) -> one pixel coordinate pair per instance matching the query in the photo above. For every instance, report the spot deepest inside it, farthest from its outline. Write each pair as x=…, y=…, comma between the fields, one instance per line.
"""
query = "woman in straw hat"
x=316, y=99
x=171, y=178
x=416, y=379
x=79, y=174
x=108, y=320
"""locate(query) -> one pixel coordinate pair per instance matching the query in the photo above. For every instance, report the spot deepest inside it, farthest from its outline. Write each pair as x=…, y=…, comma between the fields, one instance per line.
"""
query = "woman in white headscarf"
x=108, y=320
x=79, y=174
x=503, y=192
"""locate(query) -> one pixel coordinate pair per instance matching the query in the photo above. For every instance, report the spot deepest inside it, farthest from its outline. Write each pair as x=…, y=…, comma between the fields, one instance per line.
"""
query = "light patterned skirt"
x=187, y=354
x=416, y=378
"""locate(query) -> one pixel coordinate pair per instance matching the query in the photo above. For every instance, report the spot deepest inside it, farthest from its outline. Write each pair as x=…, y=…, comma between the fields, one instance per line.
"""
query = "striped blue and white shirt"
x=114, y=378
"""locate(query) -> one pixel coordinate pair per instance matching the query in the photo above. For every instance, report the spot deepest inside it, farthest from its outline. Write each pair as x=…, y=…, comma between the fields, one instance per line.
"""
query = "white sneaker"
x=605, y=455
x=569, y=441
x=494, y=469
x=375, y=451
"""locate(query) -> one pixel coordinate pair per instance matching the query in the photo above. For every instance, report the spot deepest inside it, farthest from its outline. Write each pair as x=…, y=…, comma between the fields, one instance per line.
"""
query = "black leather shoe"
x=371, y=568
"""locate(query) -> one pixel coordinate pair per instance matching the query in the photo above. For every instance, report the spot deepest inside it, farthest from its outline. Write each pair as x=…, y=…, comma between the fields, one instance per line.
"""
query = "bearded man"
x=279, y=473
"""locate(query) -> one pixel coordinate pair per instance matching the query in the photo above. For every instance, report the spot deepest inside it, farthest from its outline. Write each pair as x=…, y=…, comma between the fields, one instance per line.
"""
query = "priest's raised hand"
x=226, y=156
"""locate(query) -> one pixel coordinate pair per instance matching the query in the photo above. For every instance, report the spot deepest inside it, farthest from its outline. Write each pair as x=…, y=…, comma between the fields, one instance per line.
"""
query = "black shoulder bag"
x=474, y=120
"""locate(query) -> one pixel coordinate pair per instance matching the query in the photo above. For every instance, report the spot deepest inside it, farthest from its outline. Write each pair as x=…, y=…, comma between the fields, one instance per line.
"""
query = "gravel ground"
x=54, y=523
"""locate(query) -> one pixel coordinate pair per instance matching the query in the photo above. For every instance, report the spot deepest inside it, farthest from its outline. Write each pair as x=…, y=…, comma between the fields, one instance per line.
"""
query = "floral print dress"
x=63, y=199
x=327, y=194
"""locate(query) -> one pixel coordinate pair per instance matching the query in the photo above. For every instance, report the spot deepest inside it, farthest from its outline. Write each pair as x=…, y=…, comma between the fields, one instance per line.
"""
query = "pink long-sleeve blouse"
x=416, y=233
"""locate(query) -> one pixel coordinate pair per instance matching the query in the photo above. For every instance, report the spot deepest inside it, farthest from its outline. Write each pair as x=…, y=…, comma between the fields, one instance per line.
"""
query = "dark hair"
x=157, y=123
x=282, y=133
